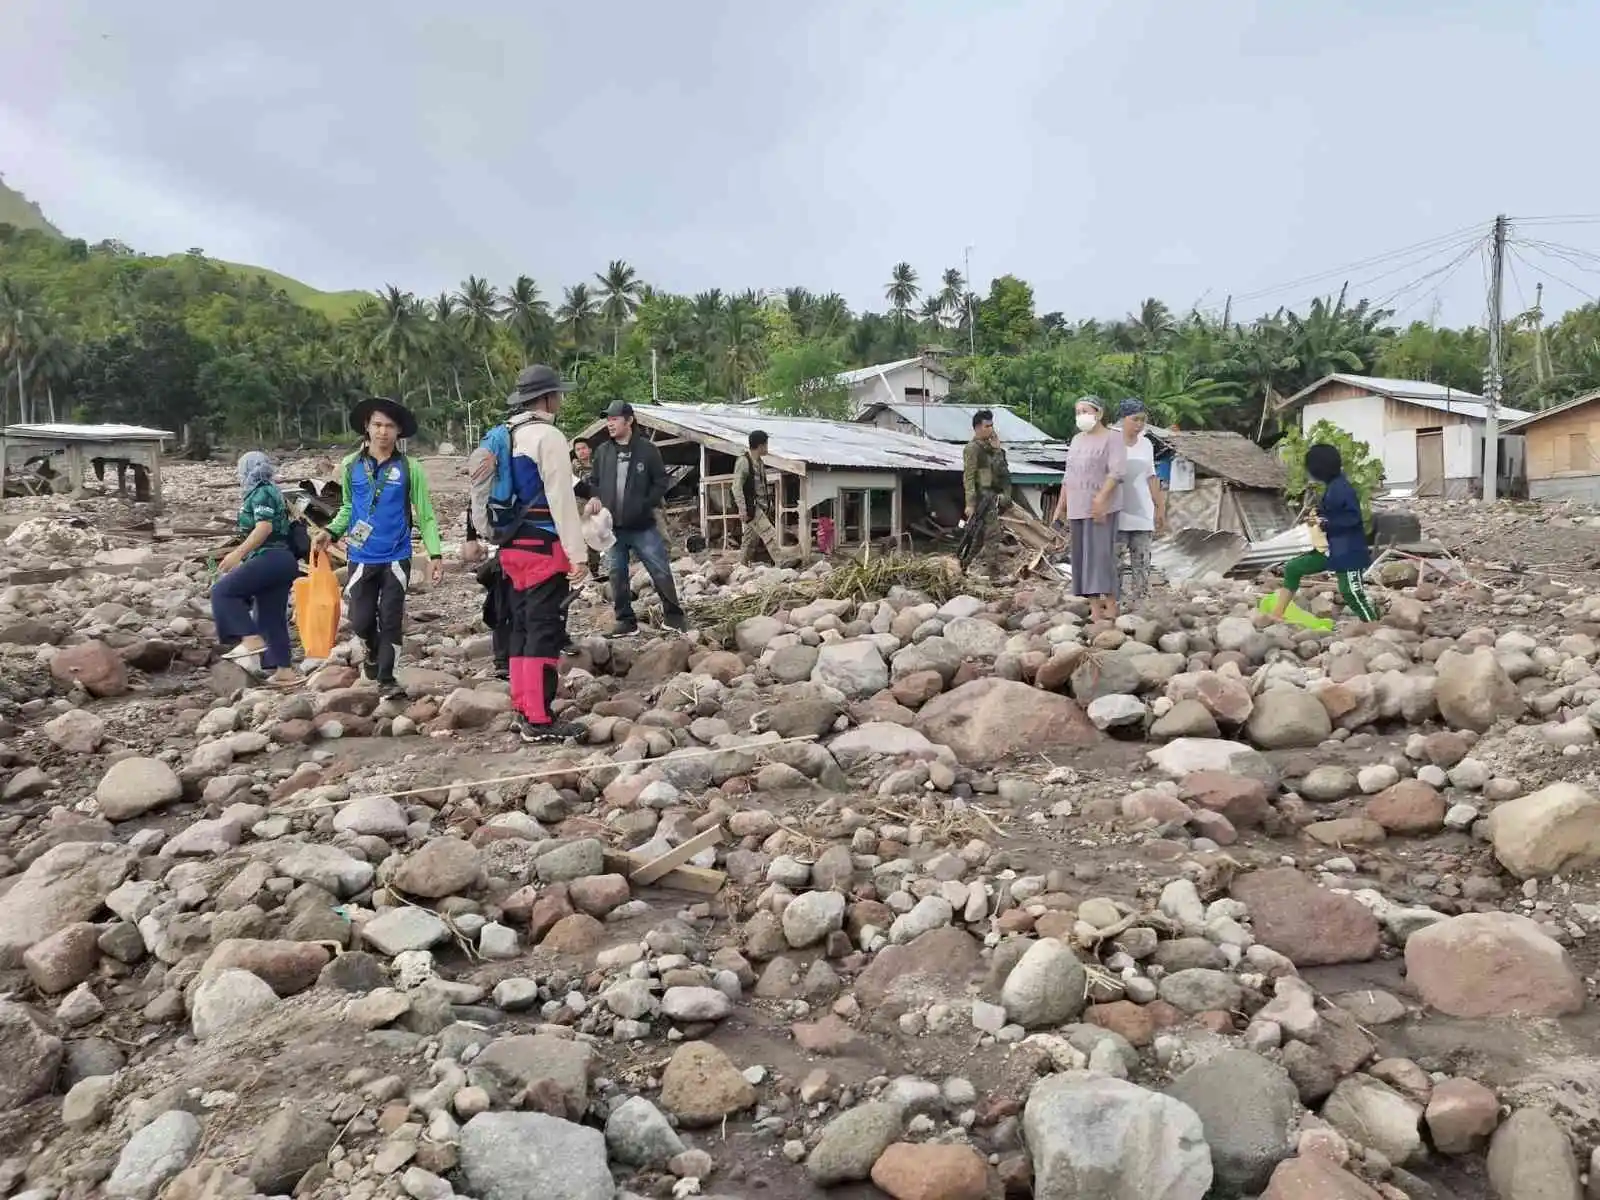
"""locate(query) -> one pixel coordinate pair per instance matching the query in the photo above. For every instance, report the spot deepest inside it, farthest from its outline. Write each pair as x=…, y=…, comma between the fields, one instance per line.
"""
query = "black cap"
x=536, y=381
x=619, y=408
x=402, y=416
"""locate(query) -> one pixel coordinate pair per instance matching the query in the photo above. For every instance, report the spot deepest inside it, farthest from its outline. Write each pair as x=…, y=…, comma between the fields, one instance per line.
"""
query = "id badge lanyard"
x=362, y=529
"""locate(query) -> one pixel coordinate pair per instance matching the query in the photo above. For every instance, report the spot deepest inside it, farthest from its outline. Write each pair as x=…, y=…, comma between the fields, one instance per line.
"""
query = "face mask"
x=1087, y=421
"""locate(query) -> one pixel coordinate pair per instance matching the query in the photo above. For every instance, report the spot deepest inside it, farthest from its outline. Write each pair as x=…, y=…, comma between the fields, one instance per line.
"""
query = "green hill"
x=16, y=209
x=332, y=305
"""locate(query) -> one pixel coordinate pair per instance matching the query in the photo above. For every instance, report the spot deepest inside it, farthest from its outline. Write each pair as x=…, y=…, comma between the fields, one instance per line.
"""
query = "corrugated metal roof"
x=953, y=422
x=862, y=374
x=88, y=433
x=807, y=439
x=1435, y=396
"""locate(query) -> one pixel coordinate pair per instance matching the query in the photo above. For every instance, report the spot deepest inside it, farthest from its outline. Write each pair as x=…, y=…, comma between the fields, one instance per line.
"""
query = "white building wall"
x=1463, y=451
x=1400, y=457
x=890, y=387
x=1362, y=417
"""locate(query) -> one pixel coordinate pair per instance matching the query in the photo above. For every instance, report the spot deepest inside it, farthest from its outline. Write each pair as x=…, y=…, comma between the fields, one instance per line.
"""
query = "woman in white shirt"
x=1144, y=505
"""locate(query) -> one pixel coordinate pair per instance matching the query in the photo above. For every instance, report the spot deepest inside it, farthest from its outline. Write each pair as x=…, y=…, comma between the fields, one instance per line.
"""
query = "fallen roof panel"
x=87, y=433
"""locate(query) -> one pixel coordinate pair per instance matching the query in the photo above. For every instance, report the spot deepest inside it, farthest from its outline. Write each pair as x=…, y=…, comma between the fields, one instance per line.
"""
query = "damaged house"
x=1221, y=481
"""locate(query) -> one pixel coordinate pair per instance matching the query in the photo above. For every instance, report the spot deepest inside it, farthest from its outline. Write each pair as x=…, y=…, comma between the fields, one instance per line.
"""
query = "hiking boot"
x=369, y=672
x=677, y=622
x=554, y=733
x=389, y=689
x=625, y=628
x=502, y=672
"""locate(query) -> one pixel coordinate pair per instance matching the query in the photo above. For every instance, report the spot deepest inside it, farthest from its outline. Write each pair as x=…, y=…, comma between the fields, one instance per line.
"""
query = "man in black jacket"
x=630, y=482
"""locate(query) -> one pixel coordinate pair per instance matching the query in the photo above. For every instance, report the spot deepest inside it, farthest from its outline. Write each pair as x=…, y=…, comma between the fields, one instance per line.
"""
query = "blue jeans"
x=651, y=549
x=261, y=584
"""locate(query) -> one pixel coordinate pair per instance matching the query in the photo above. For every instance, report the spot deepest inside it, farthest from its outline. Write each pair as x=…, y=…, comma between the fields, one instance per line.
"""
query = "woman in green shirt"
x=250, y=600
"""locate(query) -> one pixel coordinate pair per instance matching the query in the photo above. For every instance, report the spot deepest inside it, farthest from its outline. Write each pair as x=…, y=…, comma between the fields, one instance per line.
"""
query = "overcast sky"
x=1104, y=150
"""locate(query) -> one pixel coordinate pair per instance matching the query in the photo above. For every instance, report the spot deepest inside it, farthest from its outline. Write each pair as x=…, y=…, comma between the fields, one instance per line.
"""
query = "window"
x=916, y=393
x=1579, y=457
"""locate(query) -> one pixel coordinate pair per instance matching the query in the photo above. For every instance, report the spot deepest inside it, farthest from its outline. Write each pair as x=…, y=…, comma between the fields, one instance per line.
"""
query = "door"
x=1430, y=462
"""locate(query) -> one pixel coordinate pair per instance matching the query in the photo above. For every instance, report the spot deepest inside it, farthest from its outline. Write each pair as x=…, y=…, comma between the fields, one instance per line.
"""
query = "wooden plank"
x=700, y=880
x=677, y=856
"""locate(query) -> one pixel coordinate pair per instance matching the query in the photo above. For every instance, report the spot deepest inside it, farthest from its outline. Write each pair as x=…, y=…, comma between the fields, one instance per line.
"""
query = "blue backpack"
x=505, y=514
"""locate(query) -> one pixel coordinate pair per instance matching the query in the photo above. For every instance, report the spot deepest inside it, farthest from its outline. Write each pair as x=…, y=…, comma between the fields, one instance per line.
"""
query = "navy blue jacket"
x=1340, y=510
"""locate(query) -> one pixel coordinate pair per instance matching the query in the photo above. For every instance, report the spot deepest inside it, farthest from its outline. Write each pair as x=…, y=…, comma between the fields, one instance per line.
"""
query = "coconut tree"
x=400, y=338
x=578, y=318
x=22, y=326
x=619, y=299
x=527, y=316
x=480, y=310
x=830, y=316
x=902, y=291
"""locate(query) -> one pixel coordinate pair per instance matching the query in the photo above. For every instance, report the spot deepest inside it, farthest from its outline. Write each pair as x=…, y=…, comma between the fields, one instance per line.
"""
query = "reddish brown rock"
x=1446, y=748
x=95, y=665
x=830, y=1036
x=1309, y=925
x=916, y=689
x=64, y=959
x=1214, y=826
x=935, y=966
x=1134, y=1022
x=1151, y=805
x=1461, y=1114
x=991, y=719
x=1492, y=964
x=1409, y=807
x=1316, y=1179
x=287, y=967
x=577, y=934
x=1247, y=803
x=929, y=1171
x=598, y=894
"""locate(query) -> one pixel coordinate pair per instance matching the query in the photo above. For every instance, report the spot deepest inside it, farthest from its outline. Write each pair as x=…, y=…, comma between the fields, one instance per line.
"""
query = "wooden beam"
x=677, y=856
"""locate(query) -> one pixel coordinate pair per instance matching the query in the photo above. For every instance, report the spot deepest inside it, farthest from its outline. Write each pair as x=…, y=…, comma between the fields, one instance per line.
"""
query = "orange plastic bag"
x=317, y=604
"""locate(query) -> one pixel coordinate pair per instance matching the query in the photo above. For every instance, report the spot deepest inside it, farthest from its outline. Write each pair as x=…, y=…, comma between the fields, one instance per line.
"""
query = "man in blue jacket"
x=385, y=494
x=1345, y=530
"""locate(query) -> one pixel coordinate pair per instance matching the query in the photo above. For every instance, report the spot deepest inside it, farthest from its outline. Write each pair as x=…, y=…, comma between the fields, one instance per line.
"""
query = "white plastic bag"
x=597, y=531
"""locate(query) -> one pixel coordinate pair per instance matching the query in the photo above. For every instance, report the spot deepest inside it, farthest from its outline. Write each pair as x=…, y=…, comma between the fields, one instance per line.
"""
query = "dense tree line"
x=100, y=332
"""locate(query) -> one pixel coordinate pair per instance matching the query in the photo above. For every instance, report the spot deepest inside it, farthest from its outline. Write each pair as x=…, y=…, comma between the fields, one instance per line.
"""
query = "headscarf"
x=1094, y=402
x=255, y=468
x=1131, y=407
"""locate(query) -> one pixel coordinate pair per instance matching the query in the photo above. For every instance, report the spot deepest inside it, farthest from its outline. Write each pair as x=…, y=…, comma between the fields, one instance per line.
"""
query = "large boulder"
x=33, y=1056
x=989, y=720
x=1551, y=831
x=1492, y=964
x=855, y=746
x=553, y=1067
x=534, y=1156
x=1530, y=1158
x=934, y=966
x=1474, y=691
x=1046, y=987
x=1285, y=719
x=1374, y=1114
x=1248, y=1107
x=64, y=885
x=1309, y=925
x=94, y=665
x=855, y=668
x=134, y=786
x=1313, y=1178
x=1093, y=1137
x=1188, y=755
x=701, y=1086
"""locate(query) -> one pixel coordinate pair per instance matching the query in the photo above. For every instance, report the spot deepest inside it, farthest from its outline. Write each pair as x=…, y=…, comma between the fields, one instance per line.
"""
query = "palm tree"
x=55, y=365
x=480, y=310
x=1152, y=326
x=400, y=339
x=953, y=291
x=578, y=317
x=619, y=292
x=902, y=290
x=932, y=311
x=527, y=316
x=739, y=347
x=830, y=316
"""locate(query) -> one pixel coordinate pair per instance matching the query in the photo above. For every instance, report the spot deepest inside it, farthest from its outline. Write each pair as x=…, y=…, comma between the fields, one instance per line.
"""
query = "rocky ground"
x=976, y=899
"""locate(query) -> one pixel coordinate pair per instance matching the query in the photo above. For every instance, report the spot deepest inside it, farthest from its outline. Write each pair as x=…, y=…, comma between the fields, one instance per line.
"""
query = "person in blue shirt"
x=1347, y=554
x=385, y=495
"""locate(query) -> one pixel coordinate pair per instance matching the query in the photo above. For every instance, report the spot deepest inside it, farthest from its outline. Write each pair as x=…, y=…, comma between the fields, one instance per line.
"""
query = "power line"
x=1431, y=245
x=1569, y=254
x=1447, y=270
x=1547, y=272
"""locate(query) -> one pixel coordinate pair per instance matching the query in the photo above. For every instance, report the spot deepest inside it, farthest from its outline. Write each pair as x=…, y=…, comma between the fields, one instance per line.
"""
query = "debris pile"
x=873, y=881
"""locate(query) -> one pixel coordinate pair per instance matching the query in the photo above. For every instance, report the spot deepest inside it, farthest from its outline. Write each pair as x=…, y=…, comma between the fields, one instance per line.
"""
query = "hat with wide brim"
x=393, y=409
x=534, y=383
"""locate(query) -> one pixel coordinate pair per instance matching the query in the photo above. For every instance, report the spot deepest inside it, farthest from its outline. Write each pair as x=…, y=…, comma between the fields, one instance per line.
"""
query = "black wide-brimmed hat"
x=535, y=381
x=393, y=409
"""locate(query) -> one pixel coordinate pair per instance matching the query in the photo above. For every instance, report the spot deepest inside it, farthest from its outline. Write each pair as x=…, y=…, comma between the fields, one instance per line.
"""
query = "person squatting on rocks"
x=1144, y=505
x=985, y=471
x=1345, y=531
x=1091, y=498
x=528, y=505
x=385, y=494
x=250, y=600
x=753, y=494
x=630, y=481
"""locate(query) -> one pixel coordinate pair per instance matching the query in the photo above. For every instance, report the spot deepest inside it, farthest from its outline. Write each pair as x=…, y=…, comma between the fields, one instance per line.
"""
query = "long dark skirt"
x=1094, y=557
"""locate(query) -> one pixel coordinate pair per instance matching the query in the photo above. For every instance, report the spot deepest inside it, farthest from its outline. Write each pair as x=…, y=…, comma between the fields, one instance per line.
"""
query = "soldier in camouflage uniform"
x=752, y=494
x=985, y=471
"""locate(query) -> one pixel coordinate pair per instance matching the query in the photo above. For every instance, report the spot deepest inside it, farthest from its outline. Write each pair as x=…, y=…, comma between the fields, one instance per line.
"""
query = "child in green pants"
x=1347, y=555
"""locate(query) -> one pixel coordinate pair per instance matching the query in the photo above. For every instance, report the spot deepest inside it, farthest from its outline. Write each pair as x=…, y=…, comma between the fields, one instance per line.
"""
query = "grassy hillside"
x=16, y=209
x=331, y=304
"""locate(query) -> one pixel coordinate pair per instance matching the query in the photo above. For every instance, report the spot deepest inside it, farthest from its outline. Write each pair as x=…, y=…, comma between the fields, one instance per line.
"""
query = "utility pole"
x=655, y=388
x=1227, y=314
x=972, y=324
x=1492, y=376
x=1538, y=332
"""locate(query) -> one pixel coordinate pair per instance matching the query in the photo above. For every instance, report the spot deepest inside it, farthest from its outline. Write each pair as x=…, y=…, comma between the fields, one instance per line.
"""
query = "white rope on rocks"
x=547, y=773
